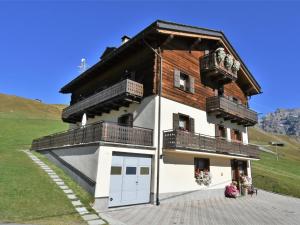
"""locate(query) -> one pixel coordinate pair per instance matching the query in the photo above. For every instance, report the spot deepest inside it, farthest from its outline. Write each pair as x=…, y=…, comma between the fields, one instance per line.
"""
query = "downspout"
x=159, y=119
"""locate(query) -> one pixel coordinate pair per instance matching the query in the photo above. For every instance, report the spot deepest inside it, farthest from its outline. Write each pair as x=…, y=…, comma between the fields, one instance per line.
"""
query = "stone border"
x=91, y=219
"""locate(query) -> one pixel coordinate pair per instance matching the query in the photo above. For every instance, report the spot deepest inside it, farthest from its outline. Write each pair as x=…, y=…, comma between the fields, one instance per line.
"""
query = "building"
x=167, y=105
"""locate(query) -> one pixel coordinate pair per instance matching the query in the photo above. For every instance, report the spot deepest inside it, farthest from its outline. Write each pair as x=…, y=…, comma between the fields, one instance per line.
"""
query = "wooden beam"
x=168, y=40
x=195, y=43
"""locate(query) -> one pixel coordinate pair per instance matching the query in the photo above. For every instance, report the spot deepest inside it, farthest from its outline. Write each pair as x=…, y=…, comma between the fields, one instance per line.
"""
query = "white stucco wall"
x=177, y=172
x=176, y=169
x=203, y=124
x=85, y=159
x=143, y=114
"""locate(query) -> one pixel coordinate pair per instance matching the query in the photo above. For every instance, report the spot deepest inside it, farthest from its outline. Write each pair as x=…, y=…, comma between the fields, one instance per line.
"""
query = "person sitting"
x=231, y=190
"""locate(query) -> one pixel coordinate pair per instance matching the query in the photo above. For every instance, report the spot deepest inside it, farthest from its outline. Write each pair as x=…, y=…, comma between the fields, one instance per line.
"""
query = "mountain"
x=282, y=121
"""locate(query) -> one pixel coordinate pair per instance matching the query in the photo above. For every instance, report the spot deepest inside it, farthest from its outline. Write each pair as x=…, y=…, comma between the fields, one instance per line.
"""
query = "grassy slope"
x=27, y=194
x=282, y=176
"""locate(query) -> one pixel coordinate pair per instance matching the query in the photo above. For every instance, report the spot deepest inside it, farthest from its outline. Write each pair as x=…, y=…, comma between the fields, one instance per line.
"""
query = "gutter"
x=159, y=118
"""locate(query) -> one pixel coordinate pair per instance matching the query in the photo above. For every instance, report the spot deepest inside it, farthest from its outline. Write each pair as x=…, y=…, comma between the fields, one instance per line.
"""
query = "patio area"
x=212, y=208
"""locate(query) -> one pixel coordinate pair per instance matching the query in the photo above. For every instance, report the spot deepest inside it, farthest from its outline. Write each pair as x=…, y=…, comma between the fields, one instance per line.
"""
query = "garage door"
x=129, y=180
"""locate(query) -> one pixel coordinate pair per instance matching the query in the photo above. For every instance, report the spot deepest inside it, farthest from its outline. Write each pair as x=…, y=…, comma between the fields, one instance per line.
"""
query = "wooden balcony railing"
x=218, y=69
x=118, y=94
x=176, y=139
x=102, y=131
x=228, y=109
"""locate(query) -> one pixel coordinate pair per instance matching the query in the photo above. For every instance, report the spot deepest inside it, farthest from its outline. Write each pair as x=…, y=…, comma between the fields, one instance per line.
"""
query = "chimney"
x=125, y=39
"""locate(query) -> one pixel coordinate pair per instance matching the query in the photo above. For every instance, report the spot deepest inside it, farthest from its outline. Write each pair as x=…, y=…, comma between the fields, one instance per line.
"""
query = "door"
x=130, y=180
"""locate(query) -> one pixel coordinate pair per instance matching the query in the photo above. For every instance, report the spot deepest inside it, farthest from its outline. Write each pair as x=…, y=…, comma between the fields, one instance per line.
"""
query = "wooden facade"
x=188, y=61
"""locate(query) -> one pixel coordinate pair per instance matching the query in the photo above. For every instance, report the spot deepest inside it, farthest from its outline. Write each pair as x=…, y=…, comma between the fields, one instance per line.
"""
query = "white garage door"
x=130, y=180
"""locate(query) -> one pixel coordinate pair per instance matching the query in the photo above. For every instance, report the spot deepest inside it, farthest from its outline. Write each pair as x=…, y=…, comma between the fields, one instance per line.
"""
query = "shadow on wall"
x=228, y=124
x=188, y=159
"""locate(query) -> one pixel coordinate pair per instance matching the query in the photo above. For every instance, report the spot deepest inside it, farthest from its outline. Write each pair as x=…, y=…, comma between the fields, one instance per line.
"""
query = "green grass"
x=27, y=194
x=282, y=176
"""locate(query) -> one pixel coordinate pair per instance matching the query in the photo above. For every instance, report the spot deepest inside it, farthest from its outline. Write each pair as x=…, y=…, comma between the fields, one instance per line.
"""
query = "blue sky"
x=41, y=43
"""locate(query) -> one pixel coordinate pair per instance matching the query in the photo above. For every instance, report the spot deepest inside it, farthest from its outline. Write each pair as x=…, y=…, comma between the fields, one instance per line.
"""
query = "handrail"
x=126, y=86
x=195, y=141
x=100, y=131
x=226, y=105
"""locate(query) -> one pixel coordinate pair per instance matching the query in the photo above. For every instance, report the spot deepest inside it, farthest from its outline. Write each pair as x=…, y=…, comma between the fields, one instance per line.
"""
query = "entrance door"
x=130, y=180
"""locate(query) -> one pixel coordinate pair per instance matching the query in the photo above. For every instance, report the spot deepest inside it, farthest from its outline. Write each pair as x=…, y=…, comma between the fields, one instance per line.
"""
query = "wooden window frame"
x=129, y=117
x=206, y=162
x=218, y=134
x=234, y=136
x=189, y=81
x=190, y=122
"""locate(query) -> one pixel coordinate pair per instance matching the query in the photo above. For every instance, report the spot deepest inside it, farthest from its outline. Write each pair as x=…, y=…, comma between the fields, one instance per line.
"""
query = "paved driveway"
x=194, y=209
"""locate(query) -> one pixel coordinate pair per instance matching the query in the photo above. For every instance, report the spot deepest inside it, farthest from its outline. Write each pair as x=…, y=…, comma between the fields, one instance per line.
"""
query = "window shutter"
x=192, y=125
x=130, y=120
x=176, y=78
x=192, y=84
x=217, y=132
x=175, y=121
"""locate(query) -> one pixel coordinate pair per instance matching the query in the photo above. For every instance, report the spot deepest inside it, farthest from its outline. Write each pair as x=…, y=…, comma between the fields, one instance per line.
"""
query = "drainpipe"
x=159, y=119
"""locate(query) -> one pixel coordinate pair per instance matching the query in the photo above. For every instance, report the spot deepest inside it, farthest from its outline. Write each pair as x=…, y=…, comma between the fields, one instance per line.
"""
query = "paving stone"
x=82, y=210
x=96, y=222
x=68, y=191
x=76, y=203
x=63, y=187
x=57, y=180
x=90, y=217
x=71, y=196
x=60, y=183
x=45, y=167
x=54, y=176
x=51, y=173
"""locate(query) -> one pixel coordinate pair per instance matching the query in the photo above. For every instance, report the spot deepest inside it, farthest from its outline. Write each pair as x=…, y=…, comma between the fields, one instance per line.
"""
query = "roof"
x=164, y=26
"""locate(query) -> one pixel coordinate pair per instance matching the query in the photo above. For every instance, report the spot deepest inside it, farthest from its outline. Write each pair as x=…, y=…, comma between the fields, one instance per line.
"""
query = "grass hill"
x=13, y=107
x=27, y=195
x=282, y=176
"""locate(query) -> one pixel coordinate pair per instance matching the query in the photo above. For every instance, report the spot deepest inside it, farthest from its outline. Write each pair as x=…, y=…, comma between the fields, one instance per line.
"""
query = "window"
x=183, y=122
x=130, y=170
x=144, y=171
x=184, y=81
x=221, y=131
x=239, y=168
x=201, y=165
x=126, y=120
x=236, y=136
x=116, y=170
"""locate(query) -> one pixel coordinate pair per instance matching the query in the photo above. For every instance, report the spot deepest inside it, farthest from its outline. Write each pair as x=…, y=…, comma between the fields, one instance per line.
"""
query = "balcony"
x=175, y=139
x=118, y=95
x=229, y=110
x=102, y=131
x=218, y=68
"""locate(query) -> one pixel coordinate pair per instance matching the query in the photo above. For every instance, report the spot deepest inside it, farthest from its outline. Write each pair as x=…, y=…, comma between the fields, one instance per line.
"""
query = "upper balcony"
x=219, y=68
x=230, y=110
x=176, y=139
x=118, y=95
x=102, y=131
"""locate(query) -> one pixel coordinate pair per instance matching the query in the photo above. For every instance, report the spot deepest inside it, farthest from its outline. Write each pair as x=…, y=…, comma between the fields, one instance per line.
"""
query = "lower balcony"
x=102, y=131
x=230, y=110
x=176, y=139
x=118, y=95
